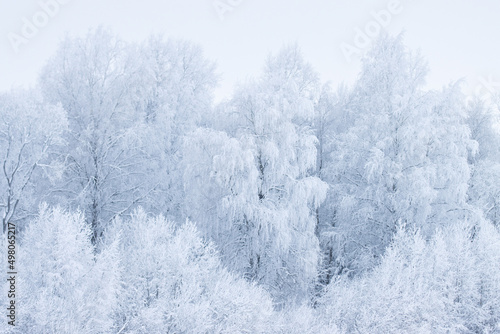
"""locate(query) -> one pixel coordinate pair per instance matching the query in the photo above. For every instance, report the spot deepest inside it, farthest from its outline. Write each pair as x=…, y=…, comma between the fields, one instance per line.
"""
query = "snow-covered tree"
x=332, y=119
x=484, y=185
x=63, y=287
x=92, y=77
x=221, y=187
x=173, y=93
x=444, y=285
x=258, y=193
x=405, y=158
x=30, y=133
x=174, y=282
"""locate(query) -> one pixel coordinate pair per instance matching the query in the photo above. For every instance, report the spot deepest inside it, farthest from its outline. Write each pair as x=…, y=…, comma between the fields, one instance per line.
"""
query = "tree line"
x=143, y=206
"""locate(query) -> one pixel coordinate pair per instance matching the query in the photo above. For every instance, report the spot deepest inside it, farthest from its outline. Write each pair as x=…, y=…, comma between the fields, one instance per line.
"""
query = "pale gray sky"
x=457, y=37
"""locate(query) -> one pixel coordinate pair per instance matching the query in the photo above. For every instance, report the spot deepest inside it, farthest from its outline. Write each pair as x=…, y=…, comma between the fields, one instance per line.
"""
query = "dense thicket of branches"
x=291, y=207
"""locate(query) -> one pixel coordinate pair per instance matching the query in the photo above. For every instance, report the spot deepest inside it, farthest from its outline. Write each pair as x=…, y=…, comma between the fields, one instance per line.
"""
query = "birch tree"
x=31, y=133
x=173, y=93
x=91, y=78
x=404, y=159
x=262, y=179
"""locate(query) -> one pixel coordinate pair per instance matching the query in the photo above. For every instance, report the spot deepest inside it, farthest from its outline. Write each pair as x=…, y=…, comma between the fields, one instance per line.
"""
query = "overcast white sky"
x=459, y=38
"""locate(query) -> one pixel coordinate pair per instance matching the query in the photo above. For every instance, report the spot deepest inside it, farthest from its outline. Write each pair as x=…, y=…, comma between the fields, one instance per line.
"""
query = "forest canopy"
x=142, y=206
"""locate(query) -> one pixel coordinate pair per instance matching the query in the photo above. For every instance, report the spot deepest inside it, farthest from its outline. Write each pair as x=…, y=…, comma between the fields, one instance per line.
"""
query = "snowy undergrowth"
x=449, y=284
x=153, y=276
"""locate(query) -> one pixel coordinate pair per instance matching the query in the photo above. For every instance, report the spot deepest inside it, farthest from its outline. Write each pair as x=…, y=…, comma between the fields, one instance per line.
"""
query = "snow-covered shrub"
x=63, y=287
x=450, y=284
x=174, y=283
